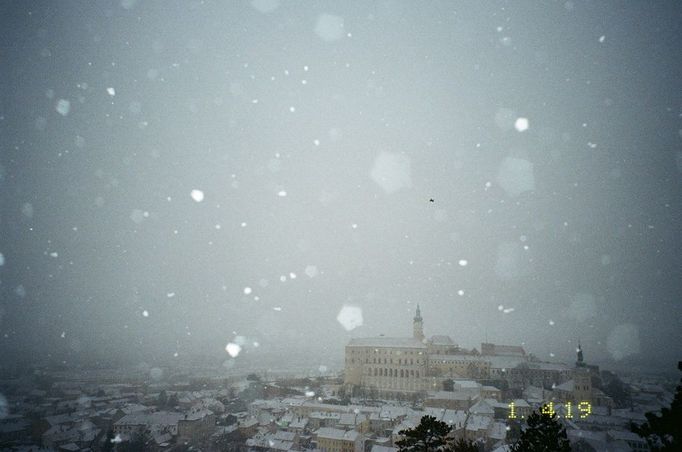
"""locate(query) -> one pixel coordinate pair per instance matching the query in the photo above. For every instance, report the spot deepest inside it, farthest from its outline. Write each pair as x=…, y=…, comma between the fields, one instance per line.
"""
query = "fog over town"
x=252, y=186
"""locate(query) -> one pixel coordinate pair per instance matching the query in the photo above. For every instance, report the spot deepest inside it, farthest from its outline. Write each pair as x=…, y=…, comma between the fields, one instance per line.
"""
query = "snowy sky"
x=177, y=176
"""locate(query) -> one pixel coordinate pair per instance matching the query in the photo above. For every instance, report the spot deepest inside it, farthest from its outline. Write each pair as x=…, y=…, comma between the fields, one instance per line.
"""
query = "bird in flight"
x=431, y=200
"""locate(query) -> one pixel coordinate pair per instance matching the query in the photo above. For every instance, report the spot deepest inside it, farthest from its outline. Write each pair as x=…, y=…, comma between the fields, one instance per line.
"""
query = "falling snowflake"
x=145, y=313
x=111, y=91
x=350, y=317
x=521, y=124
x=63, y=107
x=463, y=262
x=233, y=349
x=247, y=290
x=516, y=176
x=197, y=195
x=311, y=271
x=391, y=172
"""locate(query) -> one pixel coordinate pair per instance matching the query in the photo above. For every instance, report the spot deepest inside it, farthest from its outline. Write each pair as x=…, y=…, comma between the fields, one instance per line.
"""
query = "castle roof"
x=441, y=340
x=387, y=342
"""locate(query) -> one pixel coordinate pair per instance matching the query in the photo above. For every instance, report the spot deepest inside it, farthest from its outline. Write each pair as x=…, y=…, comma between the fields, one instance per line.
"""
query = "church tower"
x=579, y=362
x=418, y=325
x=582, y=379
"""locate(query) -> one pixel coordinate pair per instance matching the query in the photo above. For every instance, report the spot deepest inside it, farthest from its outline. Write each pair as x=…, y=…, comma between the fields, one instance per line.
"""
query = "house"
x=336, y=440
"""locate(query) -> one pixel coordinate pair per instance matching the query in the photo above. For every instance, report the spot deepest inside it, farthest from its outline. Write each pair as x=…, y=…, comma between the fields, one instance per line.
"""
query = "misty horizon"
x=180, y=176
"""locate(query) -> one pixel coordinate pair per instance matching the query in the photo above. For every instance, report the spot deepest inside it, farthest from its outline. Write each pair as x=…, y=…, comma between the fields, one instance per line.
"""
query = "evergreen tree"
x=462, y=445
x=138, y=443
x=173, y=401
x=543, y=433
x=429, y=436
x=162, y=401
x=108, y=445
x=664, y=433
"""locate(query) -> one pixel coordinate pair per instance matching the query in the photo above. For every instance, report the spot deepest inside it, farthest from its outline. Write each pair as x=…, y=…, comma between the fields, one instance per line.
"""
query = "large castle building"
x=409, y=364
x=418, y=364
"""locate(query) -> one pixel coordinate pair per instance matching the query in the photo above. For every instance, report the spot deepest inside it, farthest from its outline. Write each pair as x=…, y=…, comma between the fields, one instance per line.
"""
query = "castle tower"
x=418, y=325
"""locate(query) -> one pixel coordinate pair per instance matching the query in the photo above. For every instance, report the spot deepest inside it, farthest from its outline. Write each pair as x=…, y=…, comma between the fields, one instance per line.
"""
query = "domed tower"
x=418, y=325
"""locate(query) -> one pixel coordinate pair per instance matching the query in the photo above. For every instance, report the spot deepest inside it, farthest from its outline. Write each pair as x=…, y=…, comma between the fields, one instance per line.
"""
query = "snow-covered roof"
x=568, y=386
x=441, y=340
x=504, y=362
x=458, y=357
x=477, y=422
x=165, y=418
x=498, y=430
x=285, y=436
x=483, y=407
x=450, y=417
x=387, y=342
x=377, y=448
x=450, y=395
x=335, y=433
